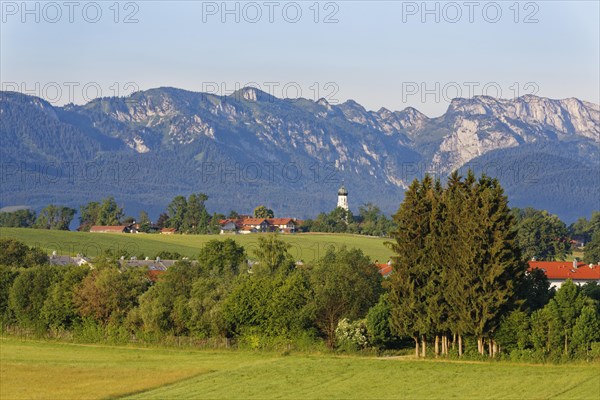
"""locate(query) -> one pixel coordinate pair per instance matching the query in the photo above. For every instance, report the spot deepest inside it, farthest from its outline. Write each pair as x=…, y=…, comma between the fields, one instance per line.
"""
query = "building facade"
x=343, y=198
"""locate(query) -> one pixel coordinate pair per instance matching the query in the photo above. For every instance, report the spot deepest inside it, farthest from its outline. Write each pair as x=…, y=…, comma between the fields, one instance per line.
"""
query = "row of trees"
x=340, y=298
x=567, y=325
x=217, y=295
x=544, y=236
x=51, y=217
x=107, y=212
x=541, y=235
x=369, y=221
x=459, y=271
x=189, y=215
x=458, y=268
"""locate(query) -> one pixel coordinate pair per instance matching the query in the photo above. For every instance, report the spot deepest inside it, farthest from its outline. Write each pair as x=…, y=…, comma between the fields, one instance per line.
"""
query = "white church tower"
x=343, y=198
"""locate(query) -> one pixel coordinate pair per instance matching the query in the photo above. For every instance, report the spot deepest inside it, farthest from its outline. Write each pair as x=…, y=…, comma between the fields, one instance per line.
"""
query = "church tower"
x=343, y=198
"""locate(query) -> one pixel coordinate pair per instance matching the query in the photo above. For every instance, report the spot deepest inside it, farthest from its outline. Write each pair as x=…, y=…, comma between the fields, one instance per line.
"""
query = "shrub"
x=351, y=336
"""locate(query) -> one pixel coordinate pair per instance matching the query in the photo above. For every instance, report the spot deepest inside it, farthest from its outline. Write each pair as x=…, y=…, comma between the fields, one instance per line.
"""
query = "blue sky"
x=381, y=54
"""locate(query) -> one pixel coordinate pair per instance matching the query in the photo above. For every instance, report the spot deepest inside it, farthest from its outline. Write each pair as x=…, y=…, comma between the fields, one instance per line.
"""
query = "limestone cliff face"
x=373, y=149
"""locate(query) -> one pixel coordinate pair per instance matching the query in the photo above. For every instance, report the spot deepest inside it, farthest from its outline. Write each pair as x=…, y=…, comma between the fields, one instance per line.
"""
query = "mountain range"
x=250, y=148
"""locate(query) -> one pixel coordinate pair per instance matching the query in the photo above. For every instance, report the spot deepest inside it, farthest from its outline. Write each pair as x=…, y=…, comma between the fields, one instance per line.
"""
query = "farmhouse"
x=559, y=271
x=255, y=225
x=228, y=226
x=283, y=225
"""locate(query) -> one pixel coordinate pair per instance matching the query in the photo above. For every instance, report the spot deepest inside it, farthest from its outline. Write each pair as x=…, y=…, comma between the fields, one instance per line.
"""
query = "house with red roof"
x=283, y=225
x=385, y=269
x=228, y=226
x=559, y=271
x=249, y=225
x=556, y=271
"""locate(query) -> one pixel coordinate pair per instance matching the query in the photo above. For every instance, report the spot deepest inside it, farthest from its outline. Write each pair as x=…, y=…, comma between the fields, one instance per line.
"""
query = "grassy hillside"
x=304, y=246
x=41, y=370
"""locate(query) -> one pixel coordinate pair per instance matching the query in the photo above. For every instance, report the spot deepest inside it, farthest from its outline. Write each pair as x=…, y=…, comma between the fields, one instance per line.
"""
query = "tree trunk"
x=495, y=349
x=423, y=346
x=416, y=346
x=460, y=353
x=437, y=346
x=443, y=345
x=566, y=344
x=331, y=334
x=490, y=349
x=453, y=340
x=480, y=344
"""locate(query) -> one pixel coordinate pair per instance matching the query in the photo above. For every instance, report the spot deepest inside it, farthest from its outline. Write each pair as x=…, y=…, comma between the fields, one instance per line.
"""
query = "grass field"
x=48, y=370
x=305, y=246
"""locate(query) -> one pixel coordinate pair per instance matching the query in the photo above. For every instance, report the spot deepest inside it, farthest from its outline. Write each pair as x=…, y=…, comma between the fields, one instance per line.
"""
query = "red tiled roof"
x=565, y=270
x=552, y=269
x=253, y=221
x=280, y=221
x=167, y=230
x=102, y=228
x=384, y=269
x=155, y=274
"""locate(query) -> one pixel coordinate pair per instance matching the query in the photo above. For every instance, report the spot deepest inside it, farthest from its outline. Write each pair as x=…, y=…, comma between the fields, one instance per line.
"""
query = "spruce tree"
x=457, y=264
x=408, y=282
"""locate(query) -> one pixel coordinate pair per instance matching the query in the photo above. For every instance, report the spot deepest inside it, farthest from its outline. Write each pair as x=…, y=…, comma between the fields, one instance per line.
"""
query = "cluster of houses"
x=155, y=267
x=242, y=225
x=246, y=224
x=556, y=271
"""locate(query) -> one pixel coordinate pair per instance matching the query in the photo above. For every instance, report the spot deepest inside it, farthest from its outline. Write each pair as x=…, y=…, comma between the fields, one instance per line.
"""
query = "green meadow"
x=304, y=246
x=51, y=370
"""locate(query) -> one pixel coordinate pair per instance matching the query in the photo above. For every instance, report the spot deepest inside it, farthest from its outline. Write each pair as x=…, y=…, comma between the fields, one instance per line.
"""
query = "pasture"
x=51, y=370
x=304, y=246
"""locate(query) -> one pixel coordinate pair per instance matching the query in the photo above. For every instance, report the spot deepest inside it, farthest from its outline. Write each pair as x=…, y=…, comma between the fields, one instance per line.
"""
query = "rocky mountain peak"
x=250, y=126
x=252, y=94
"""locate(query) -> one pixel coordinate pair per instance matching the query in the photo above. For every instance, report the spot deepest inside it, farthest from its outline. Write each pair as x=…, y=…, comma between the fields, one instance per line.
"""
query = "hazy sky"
x=381, y=54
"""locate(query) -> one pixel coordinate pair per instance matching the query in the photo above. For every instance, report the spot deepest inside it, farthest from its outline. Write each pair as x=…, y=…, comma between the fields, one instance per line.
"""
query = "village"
x=557, y=272
x=245, y=224
x=242, y=224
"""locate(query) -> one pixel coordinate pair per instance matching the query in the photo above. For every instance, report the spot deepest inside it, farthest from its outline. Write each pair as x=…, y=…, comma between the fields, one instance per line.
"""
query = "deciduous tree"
x=263, y=212
x=55, y=217
x=17, y=254
x=541, y=235
x=345, y=285
x=28, y=294
x=17, y=219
